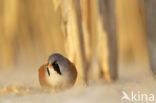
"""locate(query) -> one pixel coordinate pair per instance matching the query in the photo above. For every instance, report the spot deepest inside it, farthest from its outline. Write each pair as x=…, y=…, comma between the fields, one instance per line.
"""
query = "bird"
x=58, y=73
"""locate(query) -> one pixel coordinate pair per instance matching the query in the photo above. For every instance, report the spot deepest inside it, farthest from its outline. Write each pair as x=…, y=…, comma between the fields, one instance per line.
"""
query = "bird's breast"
x=42, y=77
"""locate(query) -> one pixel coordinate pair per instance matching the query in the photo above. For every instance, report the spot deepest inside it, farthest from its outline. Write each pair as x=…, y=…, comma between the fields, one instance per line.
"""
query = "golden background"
x=30, y=31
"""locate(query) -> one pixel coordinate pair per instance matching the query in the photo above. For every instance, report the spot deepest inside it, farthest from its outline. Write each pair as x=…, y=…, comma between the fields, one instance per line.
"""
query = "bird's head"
x=57, y=63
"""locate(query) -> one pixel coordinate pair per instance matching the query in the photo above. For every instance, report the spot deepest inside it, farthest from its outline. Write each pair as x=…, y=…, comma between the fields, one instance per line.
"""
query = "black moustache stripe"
x=56, y=67
x=48, y=71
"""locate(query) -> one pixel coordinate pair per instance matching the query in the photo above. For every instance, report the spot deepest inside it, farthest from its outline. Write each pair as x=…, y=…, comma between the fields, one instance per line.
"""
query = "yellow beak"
x=49, y=65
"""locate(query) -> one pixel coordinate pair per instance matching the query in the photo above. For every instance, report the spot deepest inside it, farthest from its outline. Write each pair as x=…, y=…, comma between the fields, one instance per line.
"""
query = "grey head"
x=58, y=62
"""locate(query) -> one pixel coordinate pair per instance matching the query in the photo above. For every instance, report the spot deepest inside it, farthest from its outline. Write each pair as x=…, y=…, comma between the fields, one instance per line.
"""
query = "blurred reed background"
x=30, y=30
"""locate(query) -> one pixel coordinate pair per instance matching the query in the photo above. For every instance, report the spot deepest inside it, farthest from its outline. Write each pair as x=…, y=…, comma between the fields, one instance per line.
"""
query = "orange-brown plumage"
x=42, y=78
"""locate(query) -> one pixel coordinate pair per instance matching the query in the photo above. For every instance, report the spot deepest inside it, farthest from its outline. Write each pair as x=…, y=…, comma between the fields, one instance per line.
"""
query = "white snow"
x=131, y=78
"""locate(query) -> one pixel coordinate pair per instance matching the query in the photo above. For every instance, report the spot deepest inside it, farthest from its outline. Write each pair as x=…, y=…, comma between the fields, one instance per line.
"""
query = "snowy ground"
x=130, y=79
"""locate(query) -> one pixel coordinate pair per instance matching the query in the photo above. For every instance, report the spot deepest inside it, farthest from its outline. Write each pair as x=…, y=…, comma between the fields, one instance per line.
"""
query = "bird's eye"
x=56, y=67
x=48, y=70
